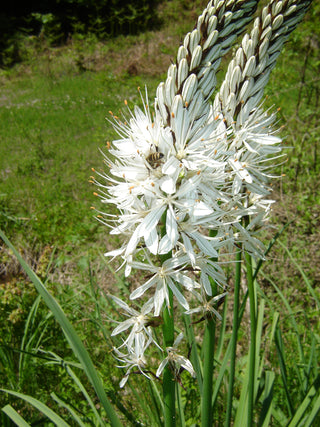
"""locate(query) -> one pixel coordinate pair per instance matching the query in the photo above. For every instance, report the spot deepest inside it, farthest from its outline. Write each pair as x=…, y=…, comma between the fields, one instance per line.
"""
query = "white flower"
x=256, y=149
x=210, y=271
x=138, y=322
x=206, y=308
x=134, y=358
x=178, y=170
x=175, y=360
x=164, y=277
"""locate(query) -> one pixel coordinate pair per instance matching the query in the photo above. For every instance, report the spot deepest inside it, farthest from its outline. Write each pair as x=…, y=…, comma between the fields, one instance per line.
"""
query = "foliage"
x=69, y=89
x=58, y=21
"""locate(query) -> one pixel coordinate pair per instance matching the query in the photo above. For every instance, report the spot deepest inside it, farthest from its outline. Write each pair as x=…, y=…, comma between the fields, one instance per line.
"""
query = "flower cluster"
x=191, y=179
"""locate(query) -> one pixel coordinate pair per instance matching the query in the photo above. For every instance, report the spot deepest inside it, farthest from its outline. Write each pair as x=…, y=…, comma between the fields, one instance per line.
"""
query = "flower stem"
x=208, y=343
x=168, y=387
x=252, y=356
x=234, y=338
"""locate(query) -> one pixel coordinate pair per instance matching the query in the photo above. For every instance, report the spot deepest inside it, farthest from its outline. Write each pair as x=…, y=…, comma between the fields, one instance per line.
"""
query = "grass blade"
x=309, y=422
x=14, y=416
x=305, y=278
x=79, y=384
x=292, y=318
x=283, y=369
x=194, y=356
x=76, y=344
x=71, y=411
x=305, y=404
x=266, y=410
x=53, y=416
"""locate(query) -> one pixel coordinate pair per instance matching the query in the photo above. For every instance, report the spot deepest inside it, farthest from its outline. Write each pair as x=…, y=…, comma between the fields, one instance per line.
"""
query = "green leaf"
x=266, y=410
x=305, y=278
x=76, y=344
x=53, y=416
x=69, y=409
x=14, y=416
x=305, y=404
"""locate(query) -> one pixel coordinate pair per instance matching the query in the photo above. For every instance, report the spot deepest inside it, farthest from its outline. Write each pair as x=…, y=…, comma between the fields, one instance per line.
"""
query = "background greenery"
x=58, y=82
x=58, y=20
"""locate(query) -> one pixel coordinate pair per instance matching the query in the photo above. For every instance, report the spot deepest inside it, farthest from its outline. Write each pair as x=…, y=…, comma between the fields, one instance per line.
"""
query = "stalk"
x=208, y=349
x=168, y=386
x=252, y=357
x=208, y=364
x=234, y=338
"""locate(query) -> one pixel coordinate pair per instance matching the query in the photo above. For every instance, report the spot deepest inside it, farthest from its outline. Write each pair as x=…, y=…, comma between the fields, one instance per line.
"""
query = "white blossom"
x=134, y=358
x=175, y=360
x=191, y=180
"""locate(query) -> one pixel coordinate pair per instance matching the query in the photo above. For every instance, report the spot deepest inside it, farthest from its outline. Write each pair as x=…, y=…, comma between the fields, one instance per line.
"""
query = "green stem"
x=234, y=338
x=208, y=344
x=169, y=383
x=168, y=387
x=252, y=338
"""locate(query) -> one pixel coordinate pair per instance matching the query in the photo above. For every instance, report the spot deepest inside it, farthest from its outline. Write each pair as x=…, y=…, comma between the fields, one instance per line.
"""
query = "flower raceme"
x=185, y=174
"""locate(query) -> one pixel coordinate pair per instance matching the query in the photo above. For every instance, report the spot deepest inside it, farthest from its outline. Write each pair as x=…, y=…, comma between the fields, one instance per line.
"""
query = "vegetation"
x=53, y=104
x=57, y=21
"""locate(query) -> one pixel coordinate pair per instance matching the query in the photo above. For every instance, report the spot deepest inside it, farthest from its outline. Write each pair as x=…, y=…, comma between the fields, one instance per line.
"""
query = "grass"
x=52, y=109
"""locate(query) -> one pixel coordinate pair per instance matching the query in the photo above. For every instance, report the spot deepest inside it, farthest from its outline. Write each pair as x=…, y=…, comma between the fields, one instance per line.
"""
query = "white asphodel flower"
x=190, y=180
x=134, y=358
x=206, y=307
x=256, y=149
x=178, y=170
x=137, y=320
x=164, y=277
x=175, y=360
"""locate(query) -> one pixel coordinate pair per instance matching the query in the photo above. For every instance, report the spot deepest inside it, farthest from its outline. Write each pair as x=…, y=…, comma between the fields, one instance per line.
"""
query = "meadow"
x=53, y=109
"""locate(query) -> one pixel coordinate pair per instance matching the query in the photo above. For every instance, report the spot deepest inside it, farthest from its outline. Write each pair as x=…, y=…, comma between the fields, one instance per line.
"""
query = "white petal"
x=122, y=327
x=134, y=240
x=171, y=226
x=187, y=365
x=168, y=185
x=151, y=240
x=181, y=299
x=123, y=381
x=165, y=245
x=201, y=209
x=161, y=367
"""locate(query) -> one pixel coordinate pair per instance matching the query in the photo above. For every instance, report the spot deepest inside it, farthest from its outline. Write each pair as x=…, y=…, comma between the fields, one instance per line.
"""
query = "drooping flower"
x=135, y=357
x=175, y=360
x=165, y=277
x=137, y=320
